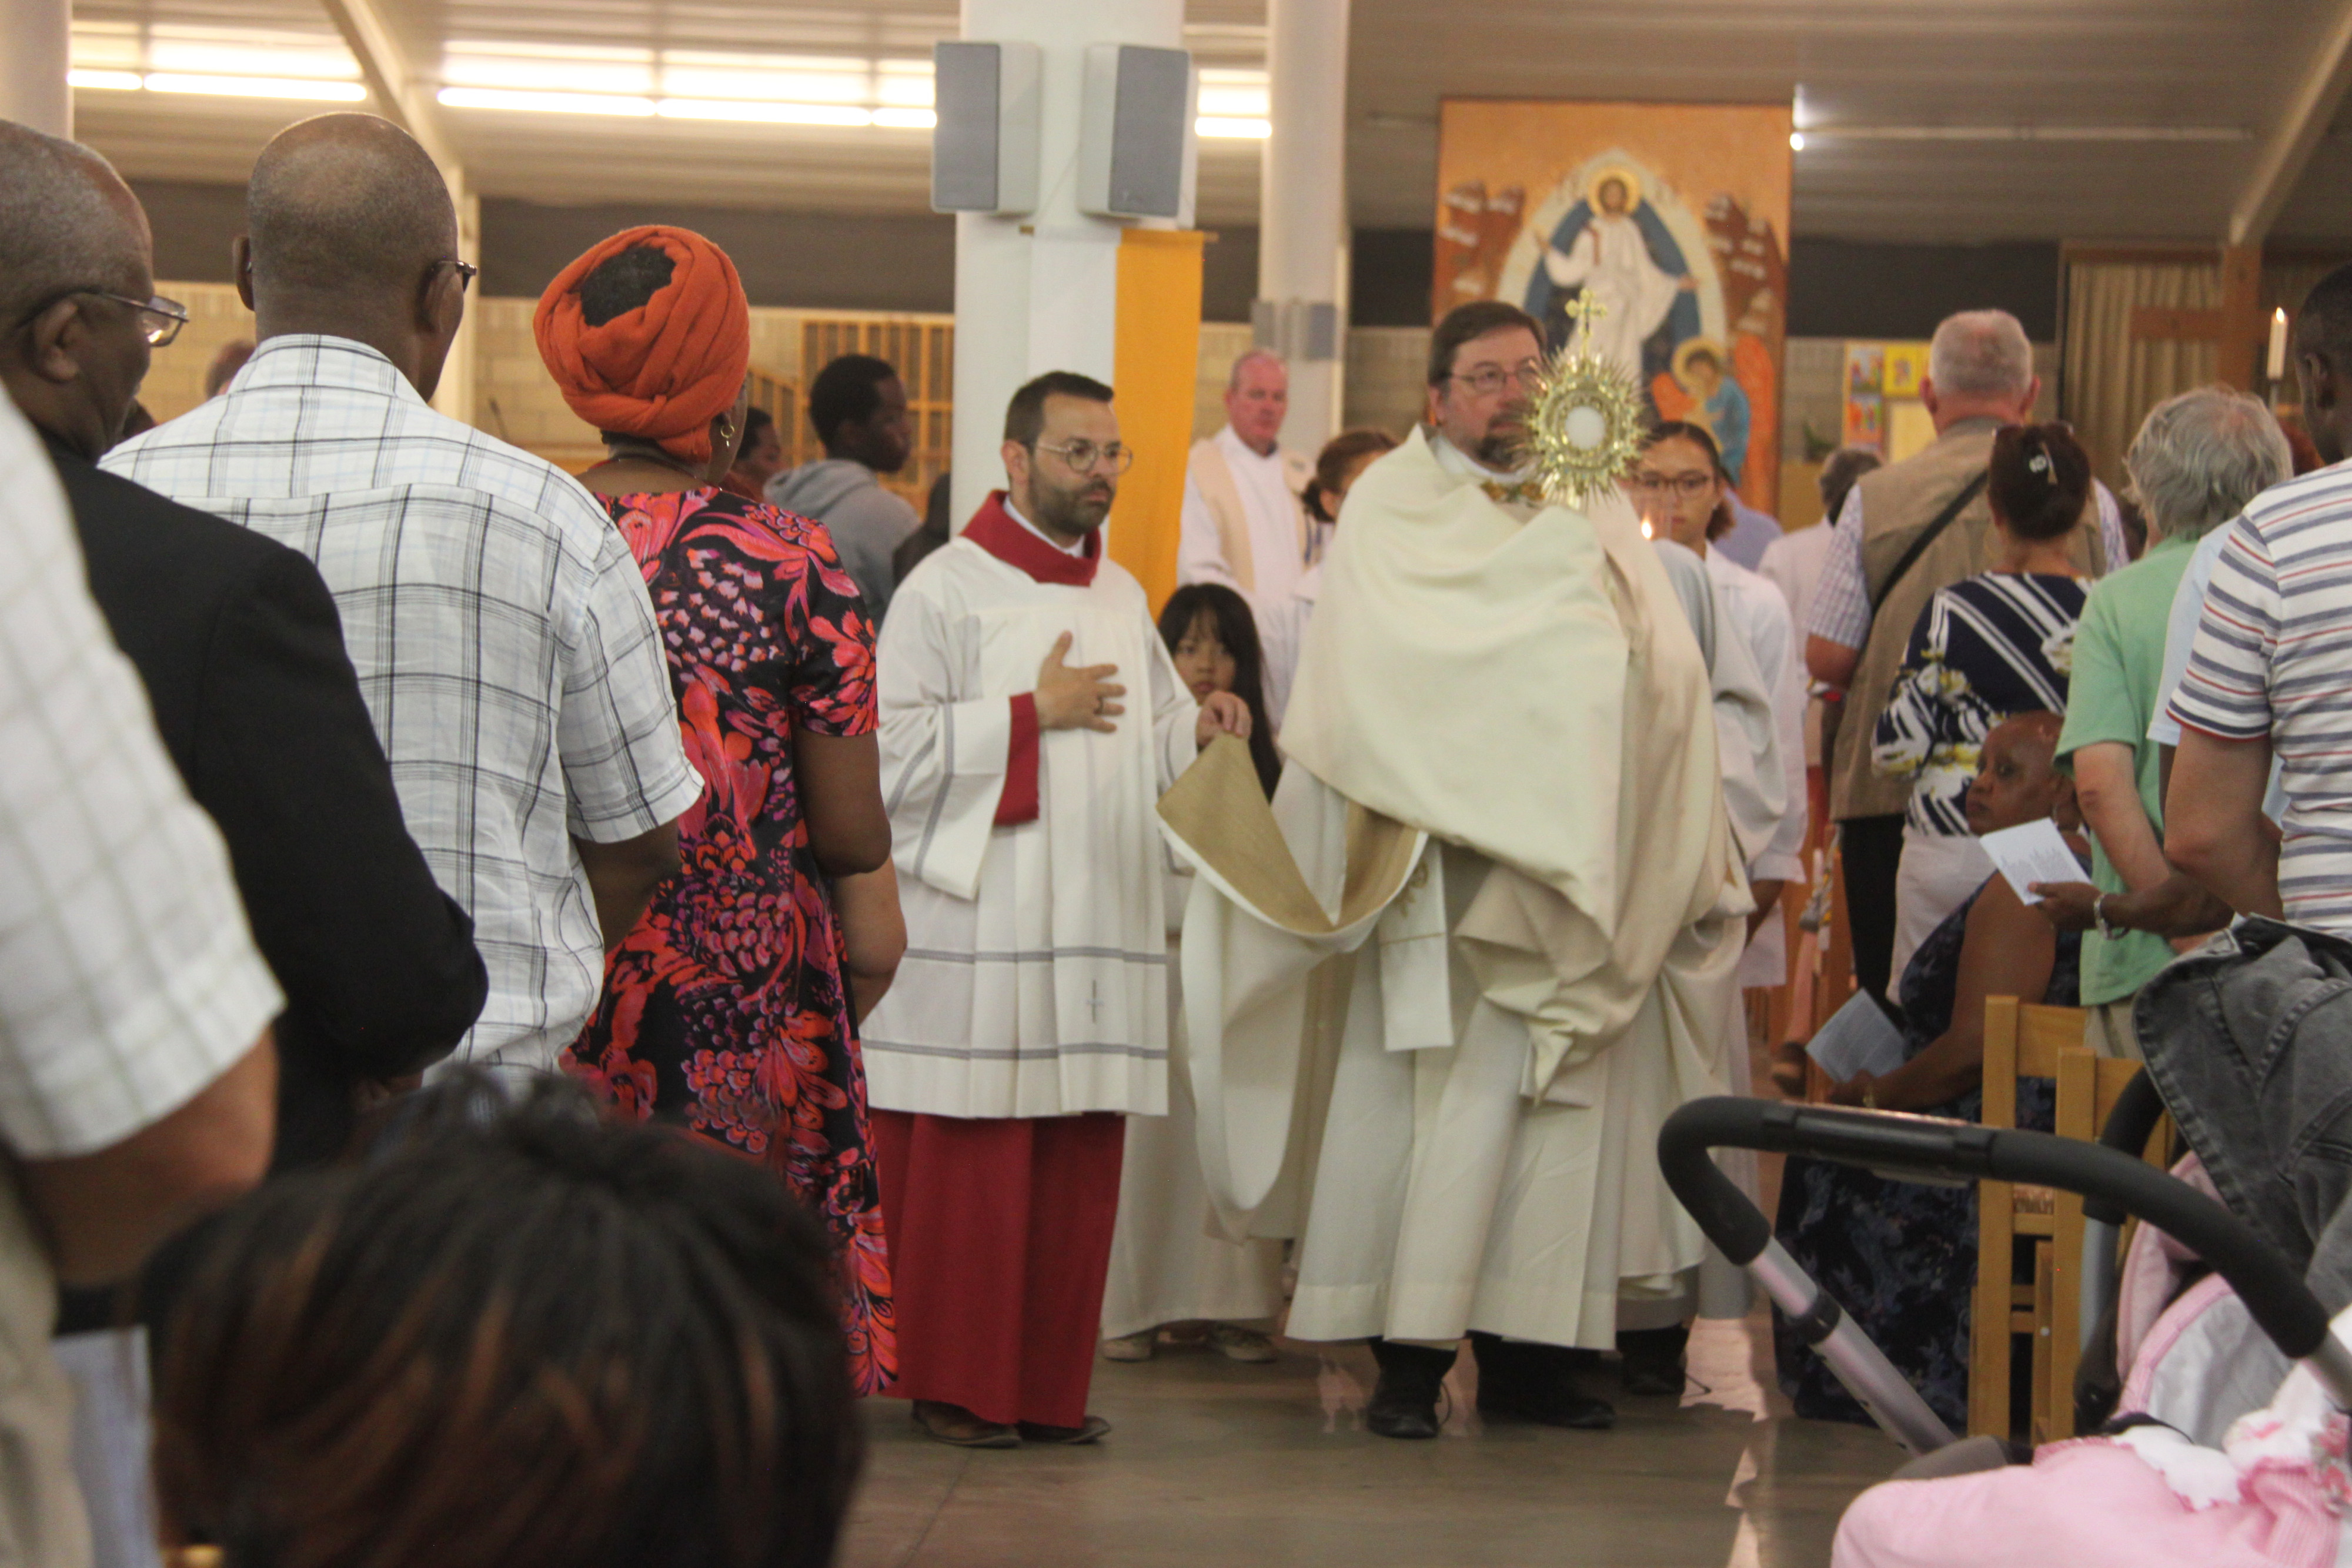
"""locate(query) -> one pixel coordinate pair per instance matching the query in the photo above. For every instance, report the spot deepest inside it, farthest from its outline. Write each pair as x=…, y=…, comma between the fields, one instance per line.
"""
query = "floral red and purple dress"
x=724, y=1011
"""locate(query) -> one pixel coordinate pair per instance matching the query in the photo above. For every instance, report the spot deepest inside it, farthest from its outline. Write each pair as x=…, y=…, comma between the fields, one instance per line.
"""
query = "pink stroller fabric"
x=2088, y=1504
x=2274, y=1496
x=2205, y=1364
x=2152, y=1270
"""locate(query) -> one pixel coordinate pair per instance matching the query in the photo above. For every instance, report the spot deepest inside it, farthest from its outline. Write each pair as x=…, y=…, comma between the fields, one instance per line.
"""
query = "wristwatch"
x=2099, y=917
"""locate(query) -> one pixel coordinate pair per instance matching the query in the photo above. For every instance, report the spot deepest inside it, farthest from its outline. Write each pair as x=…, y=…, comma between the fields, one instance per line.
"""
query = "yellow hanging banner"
x=1156, y=355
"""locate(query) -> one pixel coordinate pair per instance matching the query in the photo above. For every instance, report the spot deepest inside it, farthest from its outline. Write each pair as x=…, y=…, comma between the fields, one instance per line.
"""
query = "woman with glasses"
x=1997, y=644
x=732, y=1007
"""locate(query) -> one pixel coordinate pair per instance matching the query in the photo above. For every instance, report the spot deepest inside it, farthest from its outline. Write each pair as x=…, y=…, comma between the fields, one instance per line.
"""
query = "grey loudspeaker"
x=985, y=145
x=1135, y=132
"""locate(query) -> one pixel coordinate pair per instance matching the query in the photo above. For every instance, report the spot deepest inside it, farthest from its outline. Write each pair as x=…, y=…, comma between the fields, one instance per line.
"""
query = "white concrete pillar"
x=36, y=45
x=1302, y=236
x=1039, y=291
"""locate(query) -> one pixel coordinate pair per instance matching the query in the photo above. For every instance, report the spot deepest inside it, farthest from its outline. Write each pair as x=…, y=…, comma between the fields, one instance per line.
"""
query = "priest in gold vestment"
x=1442, y=992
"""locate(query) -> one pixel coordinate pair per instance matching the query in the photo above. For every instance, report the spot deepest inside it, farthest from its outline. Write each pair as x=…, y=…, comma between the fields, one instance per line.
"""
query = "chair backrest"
x=2088, y=1087
x=2023, y=1040
x=2020, y=1041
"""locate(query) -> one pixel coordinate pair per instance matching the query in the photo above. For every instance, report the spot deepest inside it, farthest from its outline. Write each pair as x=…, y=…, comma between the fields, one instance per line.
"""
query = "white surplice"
x=1442, y=995
x=1756, y=607
x=1036, y=980
x=1167, y=1264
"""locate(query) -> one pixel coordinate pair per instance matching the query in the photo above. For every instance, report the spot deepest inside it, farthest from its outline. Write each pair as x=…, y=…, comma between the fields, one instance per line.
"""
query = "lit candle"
x=2278, y=344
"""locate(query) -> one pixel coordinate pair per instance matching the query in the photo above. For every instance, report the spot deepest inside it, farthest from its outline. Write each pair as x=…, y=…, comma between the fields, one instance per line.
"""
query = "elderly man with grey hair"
x=1243, y=523
x=1904, y=531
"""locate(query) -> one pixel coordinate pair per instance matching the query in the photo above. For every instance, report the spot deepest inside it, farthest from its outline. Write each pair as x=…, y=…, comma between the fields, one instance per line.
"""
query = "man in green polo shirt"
x=2198, y=459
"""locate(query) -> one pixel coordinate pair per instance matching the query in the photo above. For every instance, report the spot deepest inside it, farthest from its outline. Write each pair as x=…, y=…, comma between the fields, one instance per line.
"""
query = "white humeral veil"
x=1443, y=992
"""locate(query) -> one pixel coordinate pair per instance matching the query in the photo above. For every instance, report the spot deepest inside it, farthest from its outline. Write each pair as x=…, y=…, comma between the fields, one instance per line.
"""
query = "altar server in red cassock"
x=1031, y=718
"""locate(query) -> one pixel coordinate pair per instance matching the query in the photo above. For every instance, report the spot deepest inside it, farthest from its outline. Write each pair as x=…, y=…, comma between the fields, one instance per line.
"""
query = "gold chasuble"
x=1442, y=992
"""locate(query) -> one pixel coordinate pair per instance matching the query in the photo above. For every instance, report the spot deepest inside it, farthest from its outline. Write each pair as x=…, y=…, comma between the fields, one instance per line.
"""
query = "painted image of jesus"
x=1631, y=269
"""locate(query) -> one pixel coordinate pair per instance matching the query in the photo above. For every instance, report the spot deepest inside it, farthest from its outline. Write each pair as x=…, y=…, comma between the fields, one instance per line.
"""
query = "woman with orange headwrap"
x=726, y=1009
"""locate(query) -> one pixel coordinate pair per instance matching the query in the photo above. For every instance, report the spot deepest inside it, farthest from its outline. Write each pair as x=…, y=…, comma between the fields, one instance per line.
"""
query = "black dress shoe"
x=1412, y=1378
x=1653, y=1365
x=1537, y=1383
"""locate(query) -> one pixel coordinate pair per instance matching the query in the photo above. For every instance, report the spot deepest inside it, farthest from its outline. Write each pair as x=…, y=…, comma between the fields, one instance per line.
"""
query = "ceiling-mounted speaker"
x=984, y=144
x=1135, y=132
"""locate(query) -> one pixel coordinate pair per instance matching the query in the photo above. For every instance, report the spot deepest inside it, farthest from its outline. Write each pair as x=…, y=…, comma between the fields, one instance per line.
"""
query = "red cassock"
x=999, y=1235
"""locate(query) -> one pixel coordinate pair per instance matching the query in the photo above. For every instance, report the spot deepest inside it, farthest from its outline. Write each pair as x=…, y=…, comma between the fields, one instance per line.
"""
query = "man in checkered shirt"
x=501, y=631
x=137, y=1076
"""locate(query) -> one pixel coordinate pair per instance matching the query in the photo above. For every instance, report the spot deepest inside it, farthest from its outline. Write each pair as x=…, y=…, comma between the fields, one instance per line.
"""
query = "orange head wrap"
x=666, y=369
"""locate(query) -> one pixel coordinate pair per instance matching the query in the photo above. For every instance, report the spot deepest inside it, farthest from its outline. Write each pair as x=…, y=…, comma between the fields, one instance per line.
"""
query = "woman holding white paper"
x=1997, y=644
x=1898, y=1256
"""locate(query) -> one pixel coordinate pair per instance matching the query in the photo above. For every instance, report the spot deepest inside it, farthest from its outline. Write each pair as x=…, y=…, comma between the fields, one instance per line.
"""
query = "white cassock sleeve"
x=1174, y=715
x=943, y=754
x=1776, y=659
x=1199, y=551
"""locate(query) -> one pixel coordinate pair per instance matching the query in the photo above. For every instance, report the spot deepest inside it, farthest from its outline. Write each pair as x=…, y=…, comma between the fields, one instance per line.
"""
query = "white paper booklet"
x=2030, y=853
x=1858, y=1038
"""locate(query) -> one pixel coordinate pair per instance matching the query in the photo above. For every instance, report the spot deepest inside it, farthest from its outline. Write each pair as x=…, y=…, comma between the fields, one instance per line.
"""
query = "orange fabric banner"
x=1156, y=356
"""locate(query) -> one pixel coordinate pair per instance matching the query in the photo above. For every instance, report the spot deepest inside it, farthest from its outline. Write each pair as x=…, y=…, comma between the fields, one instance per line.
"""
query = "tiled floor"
x=1216, y=1464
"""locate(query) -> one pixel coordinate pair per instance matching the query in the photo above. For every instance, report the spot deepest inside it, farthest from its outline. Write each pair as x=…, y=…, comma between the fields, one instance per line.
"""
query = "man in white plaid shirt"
x=137, y=1077
x=500, y=628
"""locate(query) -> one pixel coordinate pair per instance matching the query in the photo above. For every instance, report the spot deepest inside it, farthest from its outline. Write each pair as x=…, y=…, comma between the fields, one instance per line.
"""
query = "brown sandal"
x=1091, y=1431
x=959, y=1427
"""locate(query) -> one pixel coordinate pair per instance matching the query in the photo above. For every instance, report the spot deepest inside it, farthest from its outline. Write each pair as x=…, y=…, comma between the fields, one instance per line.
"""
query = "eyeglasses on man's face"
x=1085, y=456
x=467, y=272
x=1488, y=379
x=1656, y=482
x=160, y=320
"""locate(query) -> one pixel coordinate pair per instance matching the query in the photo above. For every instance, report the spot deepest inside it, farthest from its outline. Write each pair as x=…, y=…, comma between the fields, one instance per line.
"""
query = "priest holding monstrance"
x=1443, y=992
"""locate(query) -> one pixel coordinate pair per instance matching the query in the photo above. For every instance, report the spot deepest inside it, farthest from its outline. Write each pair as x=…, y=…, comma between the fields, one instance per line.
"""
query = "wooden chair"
x=2088, y=1087
x=2020, y=1041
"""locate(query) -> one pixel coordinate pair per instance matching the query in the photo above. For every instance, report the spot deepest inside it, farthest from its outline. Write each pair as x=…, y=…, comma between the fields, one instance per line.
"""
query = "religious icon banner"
x=1674, y=218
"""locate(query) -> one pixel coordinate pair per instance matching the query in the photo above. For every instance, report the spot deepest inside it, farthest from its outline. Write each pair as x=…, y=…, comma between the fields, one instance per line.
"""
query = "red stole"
x=997, y=531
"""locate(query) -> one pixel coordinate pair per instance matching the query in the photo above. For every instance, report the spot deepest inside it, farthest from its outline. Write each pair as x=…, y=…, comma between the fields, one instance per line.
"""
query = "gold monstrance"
x=1584, y=428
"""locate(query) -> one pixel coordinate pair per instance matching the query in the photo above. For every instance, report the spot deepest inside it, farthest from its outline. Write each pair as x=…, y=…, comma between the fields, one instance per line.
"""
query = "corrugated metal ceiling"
x=1919, y=78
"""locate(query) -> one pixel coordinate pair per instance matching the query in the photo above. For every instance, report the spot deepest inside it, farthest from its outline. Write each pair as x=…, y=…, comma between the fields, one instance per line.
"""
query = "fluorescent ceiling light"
x=257, y=86
x=262, y=55
x=547, y=102
x=104, y=81
x=1233, y=128
x=762, y=113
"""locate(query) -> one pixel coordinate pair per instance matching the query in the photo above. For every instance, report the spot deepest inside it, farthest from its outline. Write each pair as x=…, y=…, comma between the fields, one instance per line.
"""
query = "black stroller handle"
x=2129, y=1126
x=1925, y=1147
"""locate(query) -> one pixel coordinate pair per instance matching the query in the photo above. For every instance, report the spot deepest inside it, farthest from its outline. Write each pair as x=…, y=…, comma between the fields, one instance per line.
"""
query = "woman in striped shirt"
x=1991, y=646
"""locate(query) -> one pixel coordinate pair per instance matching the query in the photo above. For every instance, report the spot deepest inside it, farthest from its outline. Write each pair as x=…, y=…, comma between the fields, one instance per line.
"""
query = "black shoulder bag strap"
x=1928, y=535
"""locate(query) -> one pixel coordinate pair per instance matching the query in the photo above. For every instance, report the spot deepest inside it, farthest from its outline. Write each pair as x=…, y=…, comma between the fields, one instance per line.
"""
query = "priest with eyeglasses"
x=1441, y=993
